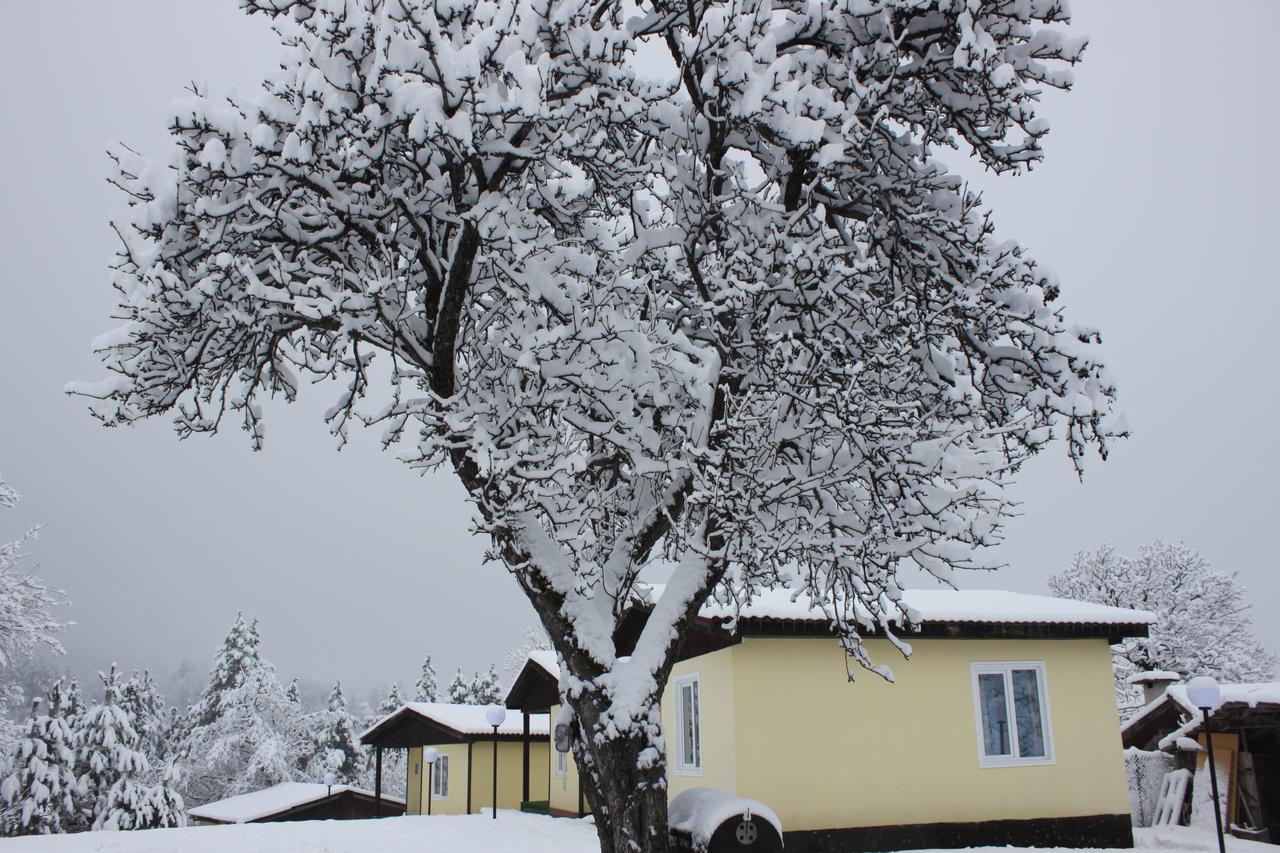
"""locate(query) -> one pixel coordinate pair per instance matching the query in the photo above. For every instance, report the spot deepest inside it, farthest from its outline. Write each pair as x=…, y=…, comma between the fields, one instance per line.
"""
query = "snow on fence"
x=1146, y=771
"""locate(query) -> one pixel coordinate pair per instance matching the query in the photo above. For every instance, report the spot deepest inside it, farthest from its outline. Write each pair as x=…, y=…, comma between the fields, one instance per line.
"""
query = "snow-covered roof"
x=1153, y=675
x=468, y=719
x=922, y=606
x=284, y=797
x=1247, y=695
x=546, y=658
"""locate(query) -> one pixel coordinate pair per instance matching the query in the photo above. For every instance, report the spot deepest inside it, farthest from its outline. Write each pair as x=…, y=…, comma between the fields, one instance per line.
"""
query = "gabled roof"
x=537, y=687
x=419, y=723
x=1173, y=716
x=277, y=801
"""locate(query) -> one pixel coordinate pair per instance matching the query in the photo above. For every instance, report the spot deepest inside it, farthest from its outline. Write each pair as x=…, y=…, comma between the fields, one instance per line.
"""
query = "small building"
x=1246, y=743
x=461, y=780
x=298, y=801
x=1001, y=728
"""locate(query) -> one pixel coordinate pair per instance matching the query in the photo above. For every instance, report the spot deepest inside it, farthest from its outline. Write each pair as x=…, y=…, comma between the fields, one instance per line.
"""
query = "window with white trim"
x=440, y=777
x=688, y=725
x=1012, y=709
x=562, y=762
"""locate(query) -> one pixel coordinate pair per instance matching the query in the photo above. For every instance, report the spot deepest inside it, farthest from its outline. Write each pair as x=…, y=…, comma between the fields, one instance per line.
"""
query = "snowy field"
x=512, y=831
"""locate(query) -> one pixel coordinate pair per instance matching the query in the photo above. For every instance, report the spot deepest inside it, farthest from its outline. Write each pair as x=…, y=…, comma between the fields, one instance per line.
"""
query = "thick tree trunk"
x=624, y=778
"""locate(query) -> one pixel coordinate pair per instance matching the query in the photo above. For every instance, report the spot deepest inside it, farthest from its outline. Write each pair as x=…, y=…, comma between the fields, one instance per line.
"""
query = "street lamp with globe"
x=1205, y=694
x=495, y=716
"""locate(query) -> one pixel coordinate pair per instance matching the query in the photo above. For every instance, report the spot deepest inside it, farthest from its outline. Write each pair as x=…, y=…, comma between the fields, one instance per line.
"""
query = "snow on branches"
x=655, y=280
x=25, y=600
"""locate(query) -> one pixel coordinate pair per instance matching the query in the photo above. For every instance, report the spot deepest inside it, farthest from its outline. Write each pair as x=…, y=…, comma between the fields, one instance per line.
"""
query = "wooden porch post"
x=526, y=757
x=377, y=781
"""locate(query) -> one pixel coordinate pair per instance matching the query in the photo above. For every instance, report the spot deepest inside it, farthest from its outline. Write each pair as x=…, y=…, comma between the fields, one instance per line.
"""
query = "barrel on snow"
x=709, y=820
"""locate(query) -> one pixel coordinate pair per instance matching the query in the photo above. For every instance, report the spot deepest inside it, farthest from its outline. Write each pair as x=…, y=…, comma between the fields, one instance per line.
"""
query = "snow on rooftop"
x=700, y=811
x=469, y=719
x=942, y=605
x=546, y=658
x=1251, y=695
x=255, y=805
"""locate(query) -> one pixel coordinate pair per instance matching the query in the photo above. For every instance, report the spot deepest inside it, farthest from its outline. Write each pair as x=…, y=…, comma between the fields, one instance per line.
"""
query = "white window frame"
x=1006, y=669
x=685, y=766
x=440, y=778
x=562, y=762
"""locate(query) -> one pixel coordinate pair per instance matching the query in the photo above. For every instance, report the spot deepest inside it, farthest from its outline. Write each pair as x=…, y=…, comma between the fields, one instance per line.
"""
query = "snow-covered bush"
x=654, y=281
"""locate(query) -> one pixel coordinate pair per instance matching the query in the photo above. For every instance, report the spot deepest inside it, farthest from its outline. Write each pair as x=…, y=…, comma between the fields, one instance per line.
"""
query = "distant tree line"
x=131, y=761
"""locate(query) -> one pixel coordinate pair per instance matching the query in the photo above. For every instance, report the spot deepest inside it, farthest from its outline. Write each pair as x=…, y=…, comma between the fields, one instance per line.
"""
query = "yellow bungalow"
x=1001, y=728
x=461, y=779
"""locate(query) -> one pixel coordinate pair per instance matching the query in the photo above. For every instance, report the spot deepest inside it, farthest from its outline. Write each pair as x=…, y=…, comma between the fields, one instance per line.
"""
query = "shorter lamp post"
x=430, y=757
x=1205, y=694
x=494, y=717
x=329, y=779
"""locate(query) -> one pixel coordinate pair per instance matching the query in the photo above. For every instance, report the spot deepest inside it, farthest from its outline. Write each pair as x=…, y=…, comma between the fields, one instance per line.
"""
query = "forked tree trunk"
x=624, y=779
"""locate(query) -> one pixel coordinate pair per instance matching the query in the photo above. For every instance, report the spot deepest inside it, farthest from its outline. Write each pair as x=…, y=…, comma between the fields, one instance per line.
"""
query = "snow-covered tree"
x=141, y=700
x=426, y=690
x=39, y=791
x=486, y=688
x=107, y=757
x=335, y=743
x=26, y=604
x=1204, y=621
x=292, y=693
x=654, y=281
x=243, y=733
x=394, y=700
x=535, y=639
x=459, y=690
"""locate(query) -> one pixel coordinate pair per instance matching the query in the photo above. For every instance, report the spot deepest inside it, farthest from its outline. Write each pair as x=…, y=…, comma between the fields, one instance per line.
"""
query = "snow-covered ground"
x=512, y=831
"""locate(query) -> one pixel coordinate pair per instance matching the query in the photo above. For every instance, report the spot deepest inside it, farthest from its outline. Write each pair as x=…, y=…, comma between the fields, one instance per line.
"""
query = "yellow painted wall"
x=715, y=673
x=413, y=786
x=782, y=724
x=510, y=777
x=564, y=788
x=823, y=752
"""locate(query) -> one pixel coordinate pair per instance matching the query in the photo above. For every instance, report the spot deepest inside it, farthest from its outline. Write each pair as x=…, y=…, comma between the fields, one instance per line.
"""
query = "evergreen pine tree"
x=292, y=693
x=39, y=790
x=427, y=690
x=237, y=657
x=242, y=733
x=336, y=747
x=107, y=756
x=393, y=701
x=486, y=689
x=141, y=700
x=459, y=690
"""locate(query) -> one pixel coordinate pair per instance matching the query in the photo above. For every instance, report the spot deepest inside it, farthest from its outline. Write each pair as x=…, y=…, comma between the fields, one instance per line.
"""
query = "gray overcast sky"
x=1156, y=206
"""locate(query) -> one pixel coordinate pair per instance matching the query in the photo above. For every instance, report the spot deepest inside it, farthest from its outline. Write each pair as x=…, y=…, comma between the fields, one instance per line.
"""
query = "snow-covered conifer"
x=336, y=744
x=39, y=791
x=141, y=700
x=731, y=314
x=486, y=689
x=393, y=701
x=427, y=689
x=243, y=733
x=1204, y=621
x=107, y=755
x=459, y=689
x=292, y=693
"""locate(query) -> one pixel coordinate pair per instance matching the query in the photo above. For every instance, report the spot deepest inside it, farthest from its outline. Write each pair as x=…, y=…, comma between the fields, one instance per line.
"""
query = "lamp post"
x=494, y=717
x=1205, y=694
x=430, y=757
x=329, y=779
